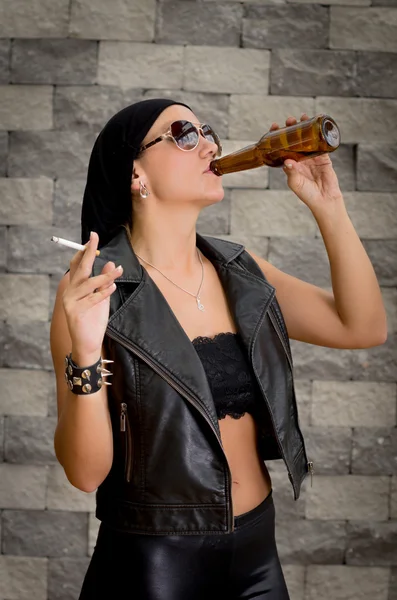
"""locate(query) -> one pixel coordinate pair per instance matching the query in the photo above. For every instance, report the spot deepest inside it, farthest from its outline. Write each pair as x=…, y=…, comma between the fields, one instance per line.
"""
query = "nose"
x=207, y=146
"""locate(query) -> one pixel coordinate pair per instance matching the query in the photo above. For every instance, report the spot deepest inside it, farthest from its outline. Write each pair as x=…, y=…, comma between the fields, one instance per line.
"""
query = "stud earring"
x=143, y=191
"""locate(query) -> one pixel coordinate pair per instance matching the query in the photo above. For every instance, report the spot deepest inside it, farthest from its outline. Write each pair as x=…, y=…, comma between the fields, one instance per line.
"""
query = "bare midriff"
x=251, y=481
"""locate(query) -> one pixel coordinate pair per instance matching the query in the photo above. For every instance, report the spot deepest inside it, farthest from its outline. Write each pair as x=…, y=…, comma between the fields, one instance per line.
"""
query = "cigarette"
x=70, y=244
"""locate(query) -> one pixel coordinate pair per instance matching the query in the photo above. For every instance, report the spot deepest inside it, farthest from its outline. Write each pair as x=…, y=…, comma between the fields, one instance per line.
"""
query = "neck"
x=169, y=242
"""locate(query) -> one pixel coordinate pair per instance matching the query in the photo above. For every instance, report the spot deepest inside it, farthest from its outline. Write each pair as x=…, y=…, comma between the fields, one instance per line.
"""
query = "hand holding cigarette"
x=70, y=244
x=86, y=303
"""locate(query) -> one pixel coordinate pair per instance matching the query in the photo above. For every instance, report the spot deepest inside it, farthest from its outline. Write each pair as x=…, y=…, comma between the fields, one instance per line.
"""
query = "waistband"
x=252, y=514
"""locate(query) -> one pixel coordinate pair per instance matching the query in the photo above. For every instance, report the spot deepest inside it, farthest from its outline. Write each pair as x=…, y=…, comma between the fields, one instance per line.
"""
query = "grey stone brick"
x=89, y=107
x=51, y=153
x=227, y=70
x=27, y=345
x=2, y=341
x=376, y=74
x=26, y=201
x=354, y=403
x=30, y=440
x=209, y=108
x=93, y=530
x=340, y=582
x=31, y=250
x=376, y=364
x=303, y=391
x=352, y=497
x=3, y=243
x=256, y=243
x=23, y=486
x=393, y=577
x=270, y=213
x=383, y=254
x=286, y=26
x=129, y=65
x=250, y=116
x=52, y=61
x=24, y=297
x=341, y=2
x=133, y=20
x=371, y=544
x=295, y=579
x=5, y=61
x=24, y=392
x=343, y=160
x=368, y=120
x=215, y=219
x=307, y=542
x=25, y=107
x=65, y=577
x=286, y=506
x=180, y=22
x=389, y=297
x=62, y=495
x=44, y=533
x=317, y=362
x=3, y=152
x=23, y=577
x=384, y=3
x=48, y=18
x=376, y=168
x=330, y=447
x=375, y=451
x=2, y=423
x=373, y=214
x=68, y=199
x=313, y=72
x=393, y=500
x=302, y=257
x=364, y=28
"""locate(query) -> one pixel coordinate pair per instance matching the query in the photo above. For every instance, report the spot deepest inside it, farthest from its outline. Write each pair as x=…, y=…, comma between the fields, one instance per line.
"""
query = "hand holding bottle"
x=86, y=302
x=313, y=180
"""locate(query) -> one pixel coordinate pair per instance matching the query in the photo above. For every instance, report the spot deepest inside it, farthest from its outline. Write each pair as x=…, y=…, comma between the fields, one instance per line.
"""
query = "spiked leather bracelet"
x=86, y=380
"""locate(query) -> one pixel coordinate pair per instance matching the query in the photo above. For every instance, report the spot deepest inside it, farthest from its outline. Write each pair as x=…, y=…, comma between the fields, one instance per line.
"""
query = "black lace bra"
x=232, y=382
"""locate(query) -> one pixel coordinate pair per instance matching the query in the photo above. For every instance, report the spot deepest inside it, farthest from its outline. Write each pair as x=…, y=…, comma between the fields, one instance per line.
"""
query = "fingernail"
x=119, y=268
x=289, y=166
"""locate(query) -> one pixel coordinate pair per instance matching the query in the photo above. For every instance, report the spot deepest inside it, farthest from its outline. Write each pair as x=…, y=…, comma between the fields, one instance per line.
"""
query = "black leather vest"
x=170, y=474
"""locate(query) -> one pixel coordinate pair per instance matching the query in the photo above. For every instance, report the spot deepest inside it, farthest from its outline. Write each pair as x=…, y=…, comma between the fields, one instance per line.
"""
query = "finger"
x=96, y=284
x=304, y=117
x=84, y=269
x=108, y=268
x=274, y=126
x=290, y=121
x=97, y=297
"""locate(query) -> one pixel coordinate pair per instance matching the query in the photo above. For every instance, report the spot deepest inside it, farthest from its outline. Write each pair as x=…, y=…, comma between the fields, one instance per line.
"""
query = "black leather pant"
x=237, y=565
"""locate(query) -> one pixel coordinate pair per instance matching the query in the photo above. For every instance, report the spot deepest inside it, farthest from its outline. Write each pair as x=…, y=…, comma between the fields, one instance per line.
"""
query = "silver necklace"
x=197, y=296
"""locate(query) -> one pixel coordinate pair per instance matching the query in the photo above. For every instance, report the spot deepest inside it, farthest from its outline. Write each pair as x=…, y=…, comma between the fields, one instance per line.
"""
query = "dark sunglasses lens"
x=211, y=136
x=185, y=134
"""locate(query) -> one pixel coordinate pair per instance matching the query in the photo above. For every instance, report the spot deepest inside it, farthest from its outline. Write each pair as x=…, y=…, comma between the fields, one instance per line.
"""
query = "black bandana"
x=107, y=202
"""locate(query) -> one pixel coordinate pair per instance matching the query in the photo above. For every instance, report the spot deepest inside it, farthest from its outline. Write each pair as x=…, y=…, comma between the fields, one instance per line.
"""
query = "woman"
x=202, y=388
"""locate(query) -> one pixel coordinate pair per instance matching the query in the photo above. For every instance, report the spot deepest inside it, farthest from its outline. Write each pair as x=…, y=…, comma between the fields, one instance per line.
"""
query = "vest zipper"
x=125, y=427
x=181, y=391
x=310, y=464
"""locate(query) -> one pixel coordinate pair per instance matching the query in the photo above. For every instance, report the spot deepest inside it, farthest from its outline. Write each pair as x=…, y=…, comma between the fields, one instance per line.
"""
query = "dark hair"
x=107, y=202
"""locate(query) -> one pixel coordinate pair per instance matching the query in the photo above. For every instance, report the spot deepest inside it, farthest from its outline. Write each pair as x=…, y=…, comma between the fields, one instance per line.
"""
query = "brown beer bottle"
x=300, y=141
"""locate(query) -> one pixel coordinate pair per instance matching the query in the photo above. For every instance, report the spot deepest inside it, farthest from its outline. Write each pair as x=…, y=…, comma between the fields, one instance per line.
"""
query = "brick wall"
x=65, y=68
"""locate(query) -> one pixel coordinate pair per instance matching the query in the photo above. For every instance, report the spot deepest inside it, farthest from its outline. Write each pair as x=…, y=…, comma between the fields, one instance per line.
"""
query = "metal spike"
x=77, y=381
x=105, y=372
x=86, y=374
x=105, y=360
x=86, y=388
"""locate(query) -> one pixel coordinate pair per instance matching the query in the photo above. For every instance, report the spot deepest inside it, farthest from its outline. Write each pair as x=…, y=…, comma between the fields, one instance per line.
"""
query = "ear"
x=135, y=181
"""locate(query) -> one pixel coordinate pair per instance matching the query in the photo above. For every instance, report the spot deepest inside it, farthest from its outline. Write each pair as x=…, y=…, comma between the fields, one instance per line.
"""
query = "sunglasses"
x=186, y=136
